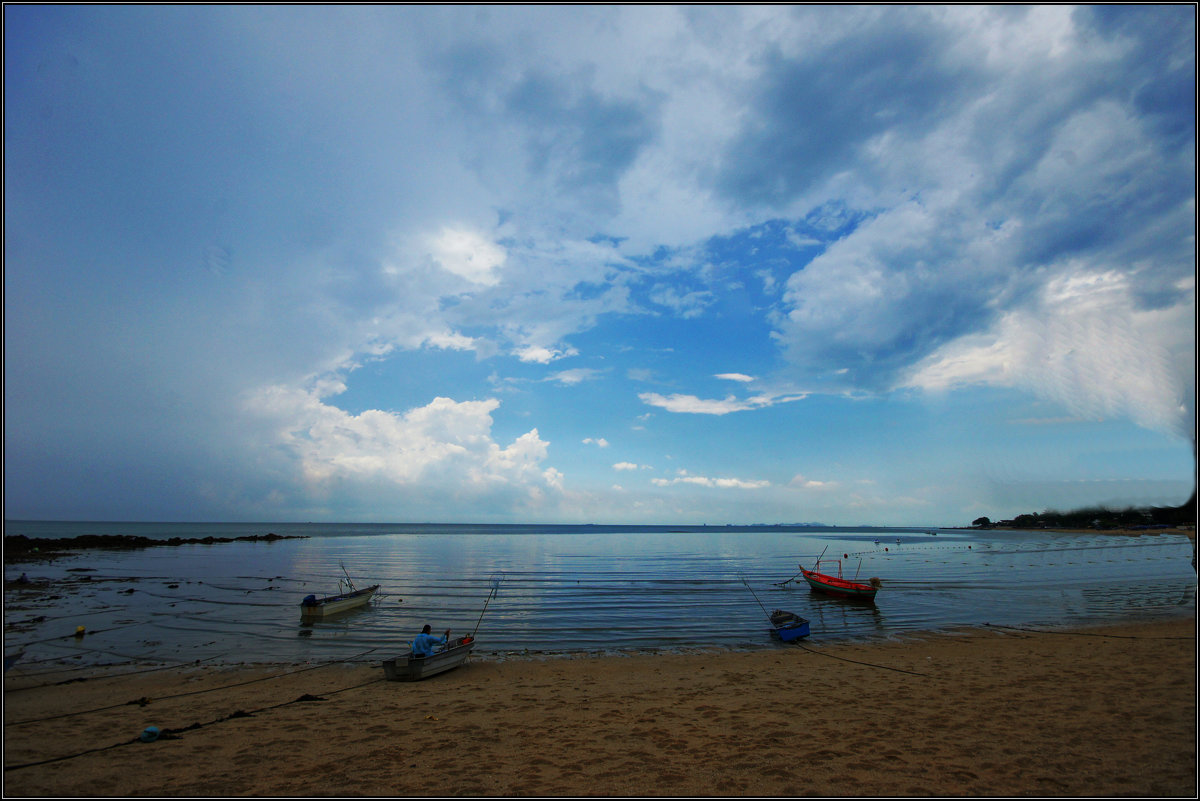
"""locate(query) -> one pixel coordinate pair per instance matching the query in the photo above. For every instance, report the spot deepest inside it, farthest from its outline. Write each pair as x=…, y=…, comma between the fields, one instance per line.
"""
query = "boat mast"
x=348, y=581
x=817, y=566
x=491, y=595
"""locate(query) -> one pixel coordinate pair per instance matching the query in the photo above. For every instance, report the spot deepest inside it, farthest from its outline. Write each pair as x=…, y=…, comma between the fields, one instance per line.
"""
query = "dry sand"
x=1096, y=712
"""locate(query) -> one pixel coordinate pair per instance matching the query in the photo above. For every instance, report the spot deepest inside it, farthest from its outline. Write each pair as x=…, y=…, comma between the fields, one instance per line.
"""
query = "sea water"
x=563, y=590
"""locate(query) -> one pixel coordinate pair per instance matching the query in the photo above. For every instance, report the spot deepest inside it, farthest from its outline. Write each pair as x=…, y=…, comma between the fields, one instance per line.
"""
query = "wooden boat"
x=788, y=626
x=836, y=585
x=344, y=601
x=411, y=667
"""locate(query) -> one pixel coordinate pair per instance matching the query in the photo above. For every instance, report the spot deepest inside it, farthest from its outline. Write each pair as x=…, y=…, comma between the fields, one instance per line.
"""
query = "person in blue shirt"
x=425, y=643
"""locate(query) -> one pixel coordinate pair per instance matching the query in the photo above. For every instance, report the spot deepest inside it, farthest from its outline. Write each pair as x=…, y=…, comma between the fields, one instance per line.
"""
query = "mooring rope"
x=109, y=675
x=781, y=583
x=1083, y=633
x=857, y=662
x=58, y=637
x=106, y=651
x=144, y=701
x=25, y=663
x=70, y=756
x=175, y=734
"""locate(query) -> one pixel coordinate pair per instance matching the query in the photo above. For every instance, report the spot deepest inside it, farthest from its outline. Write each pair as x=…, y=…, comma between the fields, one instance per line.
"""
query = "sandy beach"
x=1105, y=711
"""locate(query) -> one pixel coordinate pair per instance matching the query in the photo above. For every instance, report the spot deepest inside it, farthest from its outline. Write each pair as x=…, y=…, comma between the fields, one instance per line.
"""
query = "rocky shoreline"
x=20, y=548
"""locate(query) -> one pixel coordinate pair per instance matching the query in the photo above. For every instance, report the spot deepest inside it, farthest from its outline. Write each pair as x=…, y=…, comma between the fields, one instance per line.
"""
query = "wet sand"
x=1004, y=712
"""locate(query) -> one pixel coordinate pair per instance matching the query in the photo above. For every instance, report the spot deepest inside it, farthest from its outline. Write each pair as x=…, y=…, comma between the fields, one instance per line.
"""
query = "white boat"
x=312, y=606
x=412, y=667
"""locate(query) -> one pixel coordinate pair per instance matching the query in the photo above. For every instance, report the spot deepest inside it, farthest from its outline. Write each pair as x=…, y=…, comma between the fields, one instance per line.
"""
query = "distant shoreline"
x=20, y=548
x=1124, y=532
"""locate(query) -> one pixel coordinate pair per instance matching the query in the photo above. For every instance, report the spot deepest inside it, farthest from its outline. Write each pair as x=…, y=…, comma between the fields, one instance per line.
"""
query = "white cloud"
x=802, y=241
x=538, y=354
x=640, y=374
x=1081, y=343
x=449, y=340
x=742, y=377
x=625, y=466
x=468, y=255
x=863, y=304
x=690, y=404
x=800, y=482
x=445, y=446
x=714, y=483
x=599, y=442
x=768, y=281
x=575, y=376
x=685, y=304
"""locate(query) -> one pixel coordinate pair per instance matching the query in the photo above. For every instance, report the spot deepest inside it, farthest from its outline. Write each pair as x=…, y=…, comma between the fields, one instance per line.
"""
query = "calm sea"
x=563, y=590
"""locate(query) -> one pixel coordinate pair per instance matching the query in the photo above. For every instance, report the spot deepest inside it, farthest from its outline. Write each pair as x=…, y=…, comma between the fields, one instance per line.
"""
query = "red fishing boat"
x=836, y=585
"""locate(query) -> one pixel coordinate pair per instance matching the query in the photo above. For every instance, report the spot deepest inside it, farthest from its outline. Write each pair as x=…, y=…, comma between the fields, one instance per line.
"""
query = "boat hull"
x=336, y=604
x=839, y=588
x=415, y=668
x=789, y=627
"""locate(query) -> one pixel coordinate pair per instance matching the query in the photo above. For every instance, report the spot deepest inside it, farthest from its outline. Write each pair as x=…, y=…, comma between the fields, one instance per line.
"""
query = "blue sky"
x=668, y=264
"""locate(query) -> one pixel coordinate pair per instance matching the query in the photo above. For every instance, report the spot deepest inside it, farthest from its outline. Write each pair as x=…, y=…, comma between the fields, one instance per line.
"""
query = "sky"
x=886, y=265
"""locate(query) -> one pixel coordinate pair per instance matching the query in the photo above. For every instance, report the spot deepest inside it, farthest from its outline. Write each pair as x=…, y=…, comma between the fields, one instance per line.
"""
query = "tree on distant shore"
x=1102, y=517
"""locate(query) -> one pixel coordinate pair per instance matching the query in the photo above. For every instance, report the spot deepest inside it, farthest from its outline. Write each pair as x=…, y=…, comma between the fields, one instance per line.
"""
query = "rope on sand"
x=1084, y=633
x=144, y=701
x=70, y=756
x=175, y=734
x=995, y=626
x=868, y=664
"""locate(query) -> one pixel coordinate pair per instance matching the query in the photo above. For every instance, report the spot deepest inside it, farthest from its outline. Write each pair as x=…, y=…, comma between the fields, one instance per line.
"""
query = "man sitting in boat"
x=426, y=644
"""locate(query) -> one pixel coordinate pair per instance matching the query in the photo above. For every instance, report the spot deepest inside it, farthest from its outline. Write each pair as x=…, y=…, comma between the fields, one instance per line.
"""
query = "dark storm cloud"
x=994, y=168
x=1161, y=68
x=573, y=134
x=813, y=112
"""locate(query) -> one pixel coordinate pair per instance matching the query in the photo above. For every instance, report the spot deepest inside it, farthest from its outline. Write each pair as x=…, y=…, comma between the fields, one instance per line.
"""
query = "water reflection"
x=840, y=615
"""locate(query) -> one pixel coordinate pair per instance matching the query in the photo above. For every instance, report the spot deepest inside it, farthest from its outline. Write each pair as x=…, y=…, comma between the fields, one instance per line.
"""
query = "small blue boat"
x=788, y=626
